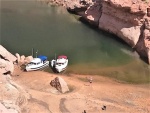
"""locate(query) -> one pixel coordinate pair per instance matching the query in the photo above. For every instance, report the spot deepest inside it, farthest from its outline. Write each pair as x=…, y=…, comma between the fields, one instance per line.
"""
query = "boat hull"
x=58, y=68
x=38, y=67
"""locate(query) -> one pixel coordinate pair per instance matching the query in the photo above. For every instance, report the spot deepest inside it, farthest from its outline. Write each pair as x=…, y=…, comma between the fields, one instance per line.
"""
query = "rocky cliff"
x=6, y=61
x=128, y=19
x=12, y=96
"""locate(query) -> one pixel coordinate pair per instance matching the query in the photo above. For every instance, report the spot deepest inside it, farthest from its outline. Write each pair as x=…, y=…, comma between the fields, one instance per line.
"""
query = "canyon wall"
x=127, y=19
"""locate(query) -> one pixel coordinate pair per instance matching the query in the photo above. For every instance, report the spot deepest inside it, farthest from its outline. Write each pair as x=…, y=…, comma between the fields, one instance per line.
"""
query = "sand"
x=118, y=97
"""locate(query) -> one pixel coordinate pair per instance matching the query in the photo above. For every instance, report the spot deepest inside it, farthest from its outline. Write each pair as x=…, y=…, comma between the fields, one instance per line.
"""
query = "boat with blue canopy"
x=37, y=63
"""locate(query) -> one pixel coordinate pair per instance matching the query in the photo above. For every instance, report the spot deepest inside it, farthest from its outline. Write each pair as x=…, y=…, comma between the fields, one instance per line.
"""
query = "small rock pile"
x=22, y=59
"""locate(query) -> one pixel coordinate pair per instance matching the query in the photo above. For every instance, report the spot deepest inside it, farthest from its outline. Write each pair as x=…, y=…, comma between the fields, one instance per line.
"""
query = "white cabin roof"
x=61, y=60
x=36, y=60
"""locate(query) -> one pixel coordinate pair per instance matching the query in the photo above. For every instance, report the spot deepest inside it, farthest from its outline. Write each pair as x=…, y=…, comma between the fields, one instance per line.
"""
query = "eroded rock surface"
x=12, y=97
x=6, y=61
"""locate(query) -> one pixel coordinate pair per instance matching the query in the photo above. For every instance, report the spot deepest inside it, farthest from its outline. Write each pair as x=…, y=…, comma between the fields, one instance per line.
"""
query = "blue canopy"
x=42, y=57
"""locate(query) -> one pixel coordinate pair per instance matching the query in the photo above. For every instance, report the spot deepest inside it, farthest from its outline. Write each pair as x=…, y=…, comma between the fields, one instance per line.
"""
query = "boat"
x=37, y=63
x=59, y=64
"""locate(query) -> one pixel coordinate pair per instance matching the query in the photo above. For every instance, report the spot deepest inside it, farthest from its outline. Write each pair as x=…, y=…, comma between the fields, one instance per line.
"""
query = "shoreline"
x=108, y=73
x=116, y=96
x=31, y=92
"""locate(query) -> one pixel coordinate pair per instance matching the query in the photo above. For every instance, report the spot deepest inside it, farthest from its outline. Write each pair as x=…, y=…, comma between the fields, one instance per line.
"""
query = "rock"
x=28, y=59
x=22, y=59
x=6, y=54
x=60, y=85
x=6, y=61
x=2, y=63
x=3, y=109
x=147, y=23
x=10, y=67
x=12, y=96
x=18, y=57
x=6, y=66
x=122, y=18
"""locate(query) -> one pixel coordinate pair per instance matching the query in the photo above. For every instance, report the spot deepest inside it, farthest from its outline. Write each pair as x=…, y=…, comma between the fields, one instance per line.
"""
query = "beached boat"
x=37, y=63
x=60, y=63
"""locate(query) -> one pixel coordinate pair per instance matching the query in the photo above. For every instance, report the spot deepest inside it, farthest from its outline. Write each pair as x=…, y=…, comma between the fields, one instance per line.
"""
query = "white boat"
x=60, y=63
x=37, y=63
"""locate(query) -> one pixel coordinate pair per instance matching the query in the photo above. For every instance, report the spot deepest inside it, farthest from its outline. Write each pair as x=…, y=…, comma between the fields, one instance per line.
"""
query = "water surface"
x=52, y=30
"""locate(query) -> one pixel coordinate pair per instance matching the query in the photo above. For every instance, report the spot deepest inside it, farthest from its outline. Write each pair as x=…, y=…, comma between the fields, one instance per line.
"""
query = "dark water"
x=52, y=30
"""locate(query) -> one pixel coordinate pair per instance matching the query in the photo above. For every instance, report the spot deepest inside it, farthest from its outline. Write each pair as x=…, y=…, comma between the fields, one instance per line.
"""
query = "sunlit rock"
x=60, y=84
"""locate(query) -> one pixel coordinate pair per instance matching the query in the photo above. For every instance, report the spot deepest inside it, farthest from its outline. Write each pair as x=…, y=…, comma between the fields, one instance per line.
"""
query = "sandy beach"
x=30, y=24
x=116, y=96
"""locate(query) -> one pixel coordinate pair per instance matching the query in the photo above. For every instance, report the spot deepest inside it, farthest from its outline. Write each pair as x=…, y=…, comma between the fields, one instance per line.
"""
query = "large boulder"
x=60, y=84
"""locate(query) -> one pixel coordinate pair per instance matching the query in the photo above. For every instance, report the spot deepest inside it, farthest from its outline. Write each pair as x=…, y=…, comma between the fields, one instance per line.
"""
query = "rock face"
x=59, y=84
x=128, y=19
x=6, y=61
x=12, y=96
x=6, y=54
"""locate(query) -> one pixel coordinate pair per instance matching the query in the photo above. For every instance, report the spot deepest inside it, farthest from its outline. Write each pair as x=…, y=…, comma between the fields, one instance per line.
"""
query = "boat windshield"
x=31, y=63
x=59, y=64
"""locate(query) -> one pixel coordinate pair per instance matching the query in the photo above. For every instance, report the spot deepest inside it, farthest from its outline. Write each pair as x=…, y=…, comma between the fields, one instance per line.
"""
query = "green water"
x=52, y=30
